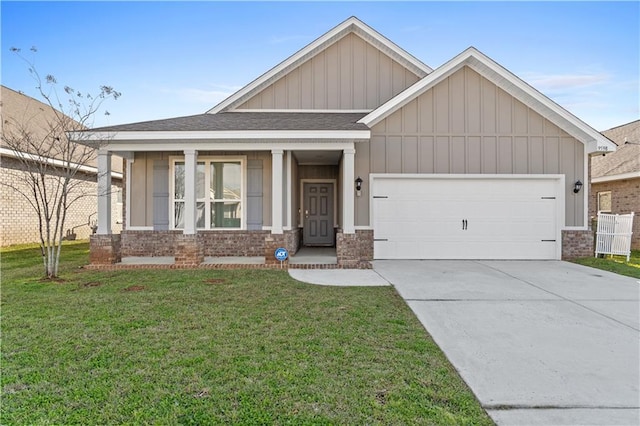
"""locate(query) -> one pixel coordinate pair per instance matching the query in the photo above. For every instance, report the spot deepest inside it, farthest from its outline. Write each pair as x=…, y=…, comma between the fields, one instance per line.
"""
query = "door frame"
x=335, y=199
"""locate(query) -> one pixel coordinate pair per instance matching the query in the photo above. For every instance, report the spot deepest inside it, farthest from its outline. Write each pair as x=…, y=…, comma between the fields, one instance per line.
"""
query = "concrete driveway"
x=538, y=342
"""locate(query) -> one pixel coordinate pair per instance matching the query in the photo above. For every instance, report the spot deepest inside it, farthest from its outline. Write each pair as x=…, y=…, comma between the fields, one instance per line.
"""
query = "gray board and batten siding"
x=351, y=74
x=466, y=124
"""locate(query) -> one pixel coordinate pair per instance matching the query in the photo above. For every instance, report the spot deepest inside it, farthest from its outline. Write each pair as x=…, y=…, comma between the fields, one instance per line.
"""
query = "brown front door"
x=318, y=214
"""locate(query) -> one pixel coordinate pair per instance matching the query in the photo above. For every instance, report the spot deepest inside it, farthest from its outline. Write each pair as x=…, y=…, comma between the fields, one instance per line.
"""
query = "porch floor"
x=315, y=256
x=208, y=260
x=304, y=256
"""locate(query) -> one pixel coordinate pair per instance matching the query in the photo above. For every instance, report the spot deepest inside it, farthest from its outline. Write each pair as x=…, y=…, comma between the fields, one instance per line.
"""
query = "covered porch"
x=203, y=197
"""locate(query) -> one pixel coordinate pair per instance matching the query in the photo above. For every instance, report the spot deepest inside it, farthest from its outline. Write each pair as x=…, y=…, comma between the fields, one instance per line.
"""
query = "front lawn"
x=215, y=347
x=617, y=264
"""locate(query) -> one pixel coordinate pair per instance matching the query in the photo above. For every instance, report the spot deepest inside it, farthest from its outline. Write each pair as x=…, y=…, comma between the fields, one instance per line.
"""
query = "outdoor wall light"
x=577, y=186
x=359, y=184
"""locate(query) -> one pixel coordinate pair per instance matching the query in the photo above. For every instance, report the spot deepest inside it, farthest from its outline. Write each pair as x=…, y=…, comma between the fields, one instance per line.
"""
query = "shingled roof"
x=626, y=159
x=238, y=121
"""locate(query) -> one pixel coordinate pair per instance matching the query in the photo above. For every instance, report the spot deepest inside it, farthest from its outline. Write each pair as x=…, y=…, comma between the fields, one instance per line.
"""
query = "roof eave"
x=611, y=178
x=240, y=135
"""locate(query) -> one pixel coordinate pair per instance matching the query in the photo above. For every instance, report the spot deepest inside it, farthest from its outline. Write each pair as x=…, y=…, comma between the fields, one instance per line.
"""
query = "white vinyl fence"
x=614, y=234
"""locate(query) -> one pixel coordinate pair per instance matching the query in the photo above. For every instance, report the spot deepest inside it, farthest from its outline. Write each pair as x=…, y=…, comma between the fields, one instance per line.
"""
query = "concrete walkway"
x=539, y=343
x=339, y=277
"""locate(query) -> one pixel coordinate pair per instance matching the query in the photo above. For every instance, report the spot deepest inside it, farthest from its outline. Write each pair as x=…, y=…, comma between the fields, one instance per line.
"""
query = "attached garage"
x=417, y=216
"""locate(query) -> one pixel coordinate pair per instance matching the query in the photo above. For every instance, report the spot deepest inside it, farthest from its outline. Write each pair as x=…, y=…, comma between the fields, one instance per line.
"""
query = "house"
x=354, y=143
x=19, y=220
x=615, y=177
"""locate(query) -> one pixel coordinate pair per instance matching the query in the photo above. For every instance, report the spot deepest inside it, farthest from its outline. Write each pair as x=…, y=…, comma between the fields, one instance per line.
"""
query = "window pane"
x=200, y=181
x=232, y=177
x=200, y=215
x=178, y=218
x=226, y=180
x=226, y=214
x=178, y=177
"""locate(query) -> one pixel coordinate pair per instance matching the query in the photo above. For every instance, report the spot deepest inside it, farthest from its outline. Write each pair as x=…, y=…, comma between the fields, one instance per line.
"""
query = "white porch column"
x=276, y=191
x=104, y=193
x=348, y=203
x=190, y=165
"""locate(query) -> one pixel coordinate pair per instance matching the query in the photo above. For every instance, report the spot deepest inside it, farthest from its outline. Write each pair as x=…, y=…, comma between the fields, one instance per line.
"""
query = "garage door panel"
x=465, y=218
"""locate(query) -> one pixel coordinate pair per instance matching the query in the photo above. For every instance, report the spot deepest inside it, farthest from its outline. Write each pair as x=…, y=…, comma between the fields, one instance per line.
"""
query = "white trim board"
x=111, y=138
x=204, y=145
x=621, y=176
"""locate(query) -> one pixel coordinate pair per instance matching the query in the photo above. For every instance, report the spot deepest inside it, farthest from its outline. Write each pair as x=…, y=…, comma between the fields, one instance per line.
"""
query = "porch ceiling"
x=313, y=158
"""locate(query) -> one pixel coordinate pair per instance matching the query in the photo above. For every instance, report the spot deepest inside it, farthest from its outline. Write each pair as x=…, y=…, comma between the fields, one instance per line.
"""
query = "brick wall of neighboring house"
x=19, y=224
x=625, y=198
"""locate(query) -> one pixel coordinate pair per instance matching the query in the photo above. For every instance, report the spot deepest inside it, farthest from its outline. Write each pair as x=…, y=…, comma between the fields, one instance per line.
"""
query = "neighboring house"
x=615, y=177
x=354, y=143
x=19, y=220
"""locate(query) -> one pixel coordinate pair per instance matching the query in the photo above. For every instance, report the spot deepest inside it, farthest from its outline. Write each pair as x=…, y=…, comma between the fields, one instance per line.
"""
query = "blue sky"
x=180, y=58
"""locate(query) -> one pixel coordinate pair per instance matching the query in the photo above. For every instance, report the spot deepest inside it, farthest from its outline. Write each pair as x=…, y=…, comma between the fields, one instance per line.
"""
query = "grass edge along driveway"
x=215, y=347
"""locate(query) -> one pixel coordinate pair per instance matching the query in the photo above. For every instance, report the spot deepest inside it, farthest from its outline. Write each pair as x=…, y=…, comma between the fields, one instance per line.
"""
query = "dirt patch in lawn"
x=135, y=288
x=53, y=280
x=215, y=281
x=92, y=284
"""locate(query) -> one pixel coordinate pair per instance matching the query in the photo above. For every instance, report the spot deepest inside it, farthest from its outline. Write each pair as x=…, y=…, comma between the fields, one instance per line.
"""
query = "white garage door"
x=464, y=217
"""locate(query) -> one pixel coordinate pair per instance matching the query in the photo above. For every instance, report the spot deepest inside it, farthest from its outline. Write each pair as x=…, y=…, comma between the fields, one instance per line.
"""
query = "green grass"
x=617, y=264
x=215, y=347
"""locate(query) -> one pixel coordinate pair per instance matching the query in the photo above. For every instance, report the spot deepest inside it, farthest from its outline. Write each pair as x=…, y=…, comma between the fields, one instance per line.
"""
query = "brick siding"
x=577, y=243
x=625, y=198
x=19, y=224
x=355, y=250
x=104, y=249
x=213, y=243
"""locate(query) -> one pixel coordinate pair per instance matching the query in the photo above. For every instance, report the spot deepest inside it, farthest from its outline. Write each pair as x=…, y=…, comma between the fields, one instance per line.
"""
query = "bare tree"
x=52, y=169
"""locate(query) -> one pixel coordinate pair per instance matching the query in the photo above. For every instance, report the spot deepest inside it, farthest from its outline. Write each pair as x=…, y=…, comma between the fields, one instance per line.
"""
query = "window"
x=219, y=194
x=604, y=202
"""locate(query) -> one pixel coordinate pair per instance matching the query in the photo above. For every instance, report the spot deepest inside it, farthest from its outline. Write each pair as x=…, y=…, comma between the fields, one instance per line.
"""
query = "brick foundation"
x=188, y=250
x=232, y=243
x=213, y=243
x=355, y=251
x=105, y=249
x=149, y=243
x=577, y=243
x=292, y=239
x=271, y=243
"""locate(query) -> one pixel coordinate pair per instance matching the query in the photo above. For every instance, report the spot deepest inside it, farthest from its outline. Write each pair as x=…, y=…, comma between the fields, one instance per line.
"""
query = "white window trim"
x=209, y=158
x=610, y=201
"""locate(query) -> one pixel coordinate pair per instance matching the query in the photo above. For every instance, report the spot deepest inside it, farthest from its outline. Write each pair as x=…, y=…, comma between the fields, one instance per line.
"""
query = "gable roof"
x=19, y=112
x=351, y=25
x=625, y=162
x=507, y=81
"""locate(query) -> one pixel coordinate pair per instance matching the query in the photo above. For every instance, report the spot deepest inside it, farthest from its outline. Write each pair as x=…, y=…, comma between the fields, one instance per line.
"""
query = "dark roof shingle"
x=229, y=121
x=626, y=158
